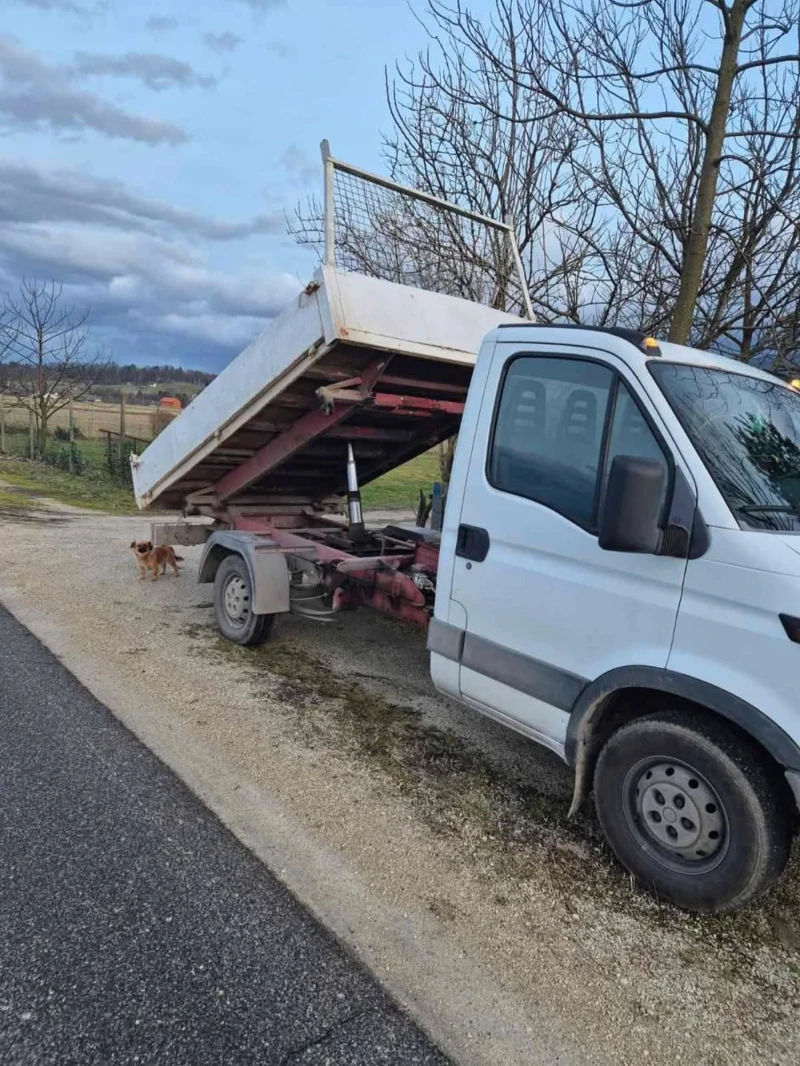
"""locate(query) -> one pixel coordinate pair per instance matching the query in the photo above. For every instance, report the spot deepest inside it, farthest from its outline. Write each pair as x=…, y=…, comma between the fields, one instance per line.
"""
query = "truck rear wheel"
x=233, y=604
x=692, y=810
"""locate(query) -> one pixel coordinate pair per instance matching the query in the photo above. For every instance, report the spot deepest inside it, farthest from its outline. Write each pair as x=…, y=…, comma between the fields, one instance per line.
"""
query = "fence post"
x=437, y=506
x=30, y=432
x=71, y=436
x=2, y=422
x=121, y=429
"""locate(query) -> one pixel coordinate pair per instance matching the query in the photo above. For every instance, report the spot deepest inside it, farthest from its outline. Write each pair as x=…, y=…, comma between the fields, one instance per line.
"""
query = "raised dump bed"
x=376, y=352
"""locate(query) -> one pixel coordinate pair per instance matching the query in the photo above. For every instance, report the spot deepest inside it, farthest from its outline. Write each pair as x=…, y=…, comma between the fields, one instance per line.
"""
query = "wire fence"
x=106, y=457
x=94, y=420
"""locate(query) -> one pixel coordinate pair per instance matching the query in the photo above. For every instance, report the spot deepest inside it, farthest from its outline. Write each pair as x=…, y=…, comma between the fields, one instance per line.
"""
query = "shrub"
x=62, y=433
x=118, y=460
x=60, y=458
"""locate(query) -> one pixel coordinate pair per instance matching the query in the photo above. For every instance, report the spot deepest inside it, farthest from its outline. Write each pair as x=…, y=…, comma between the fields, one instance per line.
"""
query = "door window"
x=548, y=435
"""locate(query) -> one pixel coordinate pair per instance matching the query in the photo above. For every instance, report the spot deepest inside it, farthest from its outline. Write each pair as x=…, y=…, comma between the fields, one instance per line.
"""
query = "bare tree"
x=48, y=358
x=5, y=344
x=684, y=116
x=467, y=128
x=465, y=133
x=590, y=124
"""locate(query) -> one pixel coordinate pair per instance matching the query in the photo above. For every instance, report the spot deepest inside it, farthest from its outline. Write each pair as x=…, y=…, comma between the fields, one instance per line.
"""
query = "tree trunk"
x=71, y=438
x=42, y=443
x=697, y=245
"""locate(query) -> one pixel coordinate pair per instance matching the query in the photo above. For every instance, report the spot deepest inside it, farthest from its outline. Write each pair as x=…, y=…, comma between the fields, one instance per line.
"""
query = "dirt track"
x=433, y=842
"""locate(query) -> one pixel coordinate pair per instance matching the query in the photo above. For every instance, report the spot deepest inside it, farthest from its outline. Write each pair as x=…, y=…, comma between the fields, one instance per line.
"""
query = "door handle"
x=472, y=543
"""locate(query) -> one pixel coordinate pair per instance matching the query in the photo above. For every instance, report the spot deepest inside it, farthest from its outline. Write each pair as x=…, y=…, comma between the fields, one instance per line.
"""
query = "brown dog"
x=154, y=559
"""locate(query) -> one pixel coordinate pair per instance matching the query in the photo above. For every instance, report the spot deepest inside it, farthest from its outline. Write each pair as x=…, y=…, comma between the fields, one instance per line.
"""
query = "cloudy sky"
x=148, y=152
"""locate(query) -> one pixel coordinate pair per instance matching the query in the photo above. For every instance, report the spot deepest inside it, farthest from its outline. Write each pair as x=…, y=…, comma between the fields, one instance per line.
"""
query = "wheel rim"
x=676, y=815
x=236, y=600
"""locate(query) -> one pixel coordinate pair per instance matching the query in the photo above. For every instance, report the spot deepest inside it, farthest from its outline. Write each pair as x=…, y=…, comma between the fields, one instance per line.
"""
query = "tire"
x=233, y=596
x=692, y=810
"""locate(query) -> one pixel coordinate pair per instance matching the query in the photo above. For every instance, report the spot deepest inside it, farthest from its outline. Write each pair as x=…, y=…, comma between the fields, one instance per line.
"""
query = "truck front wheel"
x=692, y=810
x=233, y=604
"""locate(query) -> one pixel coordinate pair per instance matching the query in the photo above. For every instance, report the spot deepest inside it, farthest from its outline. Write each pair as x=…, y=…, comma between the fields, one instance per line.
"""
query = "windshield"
x=747, y=432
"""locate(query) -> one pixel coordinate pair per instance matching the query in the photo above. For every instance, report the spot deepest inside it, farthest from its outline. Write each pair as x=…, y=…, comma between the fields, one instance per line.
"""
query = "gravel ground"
x=431, y=841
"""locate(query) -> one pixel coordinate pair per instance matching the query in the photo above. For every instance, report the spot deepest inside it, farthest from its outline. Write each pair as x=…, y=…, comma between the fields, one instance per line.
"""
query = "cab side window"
x=548, y=436
x=559, y=424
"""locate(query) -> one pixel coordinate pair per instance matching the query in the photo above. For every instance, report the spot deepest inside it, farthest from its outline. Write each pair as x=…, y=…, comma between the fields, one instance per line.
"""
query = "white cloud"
x=298, y=165
x=31, y=193
x=161, y=23
x=228, y=332
x=36, y=94
x=157, y=72
x=55, y=5
x=23, y=67
x=82, y=111
x=222, y=42
x=264, y=5
x=153, y=273
x=89, y=253
x=142, y=283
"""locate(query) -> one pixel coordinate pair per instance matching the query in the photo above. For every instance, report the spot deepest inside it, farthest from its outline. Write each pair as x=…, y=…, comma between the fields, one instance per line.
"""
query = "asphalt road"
x=134, y=928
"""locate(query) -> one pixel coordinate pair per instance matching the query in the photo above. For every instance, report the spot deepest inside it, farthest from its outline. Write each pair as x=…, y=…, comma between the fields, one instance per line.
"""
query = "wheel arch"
x=609, y=701
x=268, y=570
x=210, y=562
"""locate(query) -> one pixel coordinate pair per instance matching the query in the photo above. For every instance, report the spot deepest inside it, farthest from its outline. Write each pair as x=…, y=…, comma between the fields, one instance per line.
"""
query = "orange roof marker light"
x=795, y=384
x=650, y=344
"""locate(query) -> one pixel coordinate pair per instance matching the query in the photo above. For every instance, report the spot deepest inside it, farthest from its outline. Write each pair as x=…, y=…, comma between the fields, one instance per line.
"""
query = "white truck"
x=618, y=575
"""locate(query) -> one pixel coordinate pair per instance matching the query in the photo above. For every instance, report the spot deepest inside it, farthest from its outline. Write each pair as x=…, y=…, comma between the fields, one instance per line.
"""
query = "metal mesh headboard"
x=376, y=227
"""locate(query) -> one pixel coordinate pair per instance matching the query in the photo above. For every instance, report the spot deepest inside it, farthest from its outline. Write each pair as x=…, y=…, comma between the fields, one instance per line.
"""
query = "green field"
x=400, y=488
x=92, y=451
x=397, y=490
x=96, y=494
x=94, y=489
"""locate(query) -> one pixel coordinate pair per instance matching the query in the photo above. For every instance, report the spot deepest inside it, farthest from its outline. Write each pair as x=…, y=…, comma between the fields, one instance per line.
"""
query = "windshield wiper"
x=773, y=508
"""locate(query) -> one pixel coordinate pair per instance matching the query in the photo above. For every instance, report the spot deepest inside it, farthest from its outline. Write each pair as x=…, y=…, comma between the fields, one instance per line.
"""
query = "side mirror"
x=632, y=506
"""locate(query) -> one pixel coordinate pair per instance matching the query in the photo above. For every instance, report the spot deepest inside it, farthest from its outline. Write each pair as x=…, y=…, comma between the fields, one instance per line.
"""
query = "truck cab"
x=619, y=580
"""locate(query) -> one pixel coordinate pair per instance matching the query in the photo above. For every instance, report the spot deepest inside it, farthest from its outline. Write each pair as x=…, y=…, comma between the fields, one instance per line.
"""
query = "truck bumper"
x=793, y=777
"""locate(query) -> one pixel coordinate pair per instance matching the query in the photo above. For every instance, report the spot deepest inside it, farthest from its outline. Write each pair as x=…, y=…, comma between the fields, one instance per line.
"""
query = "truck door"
x=547, y=610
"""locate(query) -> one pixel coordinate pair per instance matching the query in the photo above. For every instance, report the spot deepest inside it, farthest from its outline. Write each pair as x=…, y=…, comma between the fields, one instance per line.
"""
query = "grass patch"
x=15, y=500
x=92, y=491
x=92, y=451
x=400, y=488
x=397, y=490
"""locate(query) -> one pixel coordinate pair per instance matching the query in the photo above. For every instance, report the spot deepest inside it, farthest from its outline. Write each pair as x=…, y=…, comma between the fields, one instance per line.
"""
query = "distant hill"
x=147, y=384
x=145, y=376
x=138, y=384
